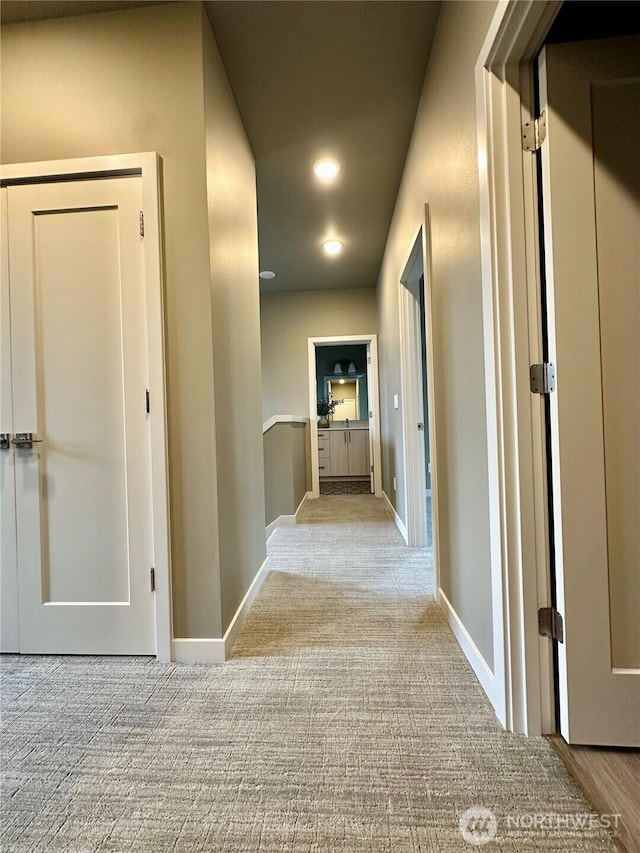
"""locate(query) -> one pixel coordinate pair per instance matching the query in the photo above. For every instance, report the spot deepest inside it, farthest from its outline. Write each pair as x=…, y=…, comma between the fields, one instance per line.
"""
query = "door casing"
x=374, y=397
x=523, y=694
x=148, y=166
x=417, y=263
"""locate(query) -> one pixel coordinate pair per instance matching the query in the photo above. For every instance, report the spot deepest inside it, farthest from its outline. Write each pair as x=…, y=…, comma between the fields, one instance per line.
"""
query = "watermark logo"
x=478, y=825
x=582, y=823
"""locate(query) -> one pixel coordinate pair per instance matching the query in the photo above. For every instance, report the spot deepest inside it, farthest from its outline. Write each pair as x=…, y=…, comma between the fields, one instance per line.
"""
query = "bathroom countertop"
x=342, y=425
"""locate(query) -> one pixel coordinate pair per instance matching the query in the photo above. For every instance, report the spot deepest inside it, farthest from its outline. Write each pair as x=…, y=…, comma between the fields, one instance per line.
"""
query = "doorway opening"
x=345, y=431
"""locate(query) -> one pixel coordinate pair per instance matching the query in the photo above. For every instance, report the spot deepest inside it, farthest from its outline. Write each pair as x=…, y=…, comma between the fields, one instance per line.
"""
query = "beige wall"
x=285, y=469
x=287, y=321
x=133, y=81
x=441, y=169
x=235, y=315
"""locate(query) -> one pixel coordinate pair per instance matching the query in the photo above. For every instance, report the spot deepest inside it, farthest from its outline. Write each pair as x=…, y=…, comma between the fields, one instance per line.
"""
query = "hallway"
x=347, y=720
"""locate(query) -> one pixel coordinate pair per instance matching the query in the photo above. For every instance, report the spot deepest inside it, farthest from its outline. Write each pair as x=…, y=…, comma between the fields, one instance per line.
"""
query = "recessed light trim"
x=267, y=274
x=326, y=169
x=332, y=247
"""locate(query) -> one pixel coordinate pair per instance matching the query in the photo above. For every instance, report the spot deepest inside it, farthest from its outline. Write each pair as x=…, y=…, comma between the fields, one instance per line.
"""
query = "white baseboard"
x=197, y=651
x=217, y=650
x=307, y=496
x=285, y=519
x=279, y=521
x=402, y=527
x=236, y=623
x=471, y=652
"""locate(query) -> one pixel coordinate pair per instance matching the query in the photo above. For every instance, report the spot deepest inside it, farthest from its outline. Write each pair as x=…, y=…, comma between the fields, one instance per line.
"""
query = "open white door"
x=79, y=373
x=370, y=410
x=590, y=92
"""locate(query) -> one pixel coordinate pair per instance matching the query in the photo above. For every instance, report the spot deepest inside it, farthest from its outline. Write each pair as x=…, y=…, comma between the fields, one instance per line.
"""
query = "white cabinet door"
x=79, y=367
x=591, y=93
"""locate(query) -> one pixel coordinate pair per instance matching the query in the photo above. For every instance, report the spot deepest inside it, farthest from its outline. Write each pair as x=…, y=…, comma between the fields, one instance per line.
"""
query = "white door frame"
x=523, y=669
x=413, y=462
x=148, y=166
x=417, y=262
x=374, y=397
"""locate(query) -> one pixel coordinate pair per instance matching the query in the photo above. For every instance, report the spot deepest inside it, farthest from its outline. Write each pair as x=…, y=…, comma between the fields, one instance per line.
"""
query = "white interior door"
x=372, y=428
x=79, y=375
x=413, y=414
x=591, y=94
x=9, y=636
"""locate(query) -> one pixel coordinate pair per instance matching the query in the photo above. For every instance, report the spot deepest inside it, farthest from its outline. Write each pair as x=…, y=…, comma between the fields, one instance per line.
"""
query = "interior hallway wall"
x=135, y=81
x=287, y=321
x=441, y=169
x=235, y=317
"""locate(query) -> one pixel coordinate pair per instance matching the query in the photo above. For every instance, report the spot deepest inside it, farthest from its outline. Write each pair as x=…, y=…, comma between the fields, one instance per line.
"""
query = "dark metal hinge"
x=147, y=403
x=542, y=378
x=142, y=223
x=534, y=133
x=153, y=580
x=550, y=624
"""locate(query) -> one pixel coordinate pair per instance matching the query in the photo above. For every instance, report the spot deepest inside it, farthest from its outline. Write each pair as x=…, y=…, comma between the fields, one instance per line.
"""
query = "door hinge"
x=152, y=579
x=372, y=469
x=142, y=223
x=542, y=378
x=147, y=403
x=550, y=624
x=534, y=133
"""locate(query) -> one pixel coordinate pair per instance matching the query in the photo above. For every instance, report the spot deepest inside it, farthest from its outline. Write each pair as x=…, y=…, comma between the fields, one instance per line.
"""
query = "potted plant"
x=326, y=408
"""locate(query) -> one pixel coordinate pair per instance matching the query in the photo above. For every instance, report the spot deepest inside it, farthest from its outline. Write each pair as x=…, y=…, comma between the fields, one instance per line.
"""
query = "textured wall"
x=441, y=169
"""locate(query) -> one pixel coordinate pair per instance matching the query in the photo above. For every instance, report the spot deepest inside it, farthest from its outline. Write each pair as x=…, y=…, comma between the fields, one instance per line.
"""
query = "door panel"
x=88, y=447
x=618, y=241
x=79, y=377
x=9, y=632
x=591, y=92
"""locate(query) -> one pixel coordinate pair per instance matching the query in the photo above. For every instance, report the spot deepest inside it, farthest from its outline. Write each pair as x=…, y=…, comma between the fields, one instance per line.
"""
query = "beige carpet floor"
x=343, y=509
x=347, y=720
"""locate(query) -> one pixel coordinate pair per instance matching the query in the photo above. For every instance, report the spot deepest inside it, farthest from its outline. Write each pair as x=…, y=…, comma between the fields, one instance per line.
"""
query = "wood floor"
x=610, y=780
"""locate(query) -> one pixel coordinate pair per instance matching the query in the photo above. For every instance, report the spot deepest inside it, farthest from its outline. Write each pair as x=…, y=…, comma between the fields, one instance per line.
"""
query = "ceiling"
x=312, y=78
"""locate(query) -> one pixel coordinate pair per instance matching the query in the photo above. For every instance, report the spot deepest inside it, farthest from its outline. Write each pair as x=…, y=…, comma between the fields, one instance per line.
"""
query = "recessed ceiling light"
x=326, y=169
x=332, y=247
x=267, y=274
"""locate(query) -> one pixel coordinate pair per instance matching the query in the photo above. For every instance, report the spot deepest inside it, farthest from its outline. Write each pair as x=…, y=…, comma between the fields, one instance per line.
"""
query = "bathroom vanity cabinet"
x=343, y=452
